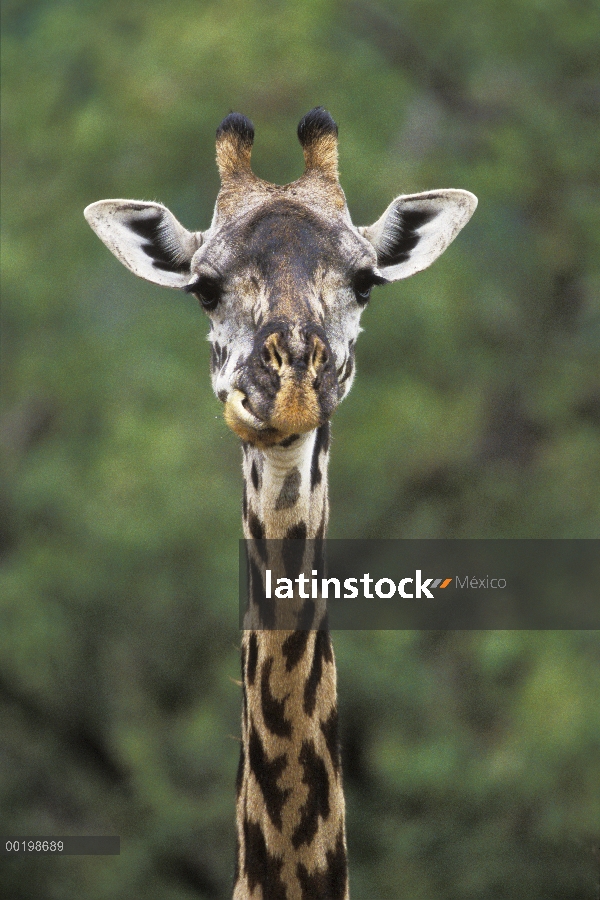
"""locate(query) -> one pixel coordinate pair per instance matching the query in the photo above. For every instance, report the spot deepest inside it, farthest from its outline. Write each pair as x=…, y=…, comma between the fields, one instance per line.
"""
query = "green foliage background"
x=472, y=760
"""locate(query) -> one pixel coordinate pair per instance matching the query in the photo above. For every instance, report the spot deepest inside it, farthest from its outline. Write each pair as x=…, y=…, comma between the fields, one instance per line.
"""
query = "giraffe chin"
x=287, y=420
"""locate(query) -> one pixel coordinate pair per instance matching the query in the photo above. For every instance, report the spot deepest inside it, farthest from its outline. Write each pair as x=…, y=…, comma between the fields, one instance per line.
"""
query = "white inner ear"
x=147, y=238
x=442, y=215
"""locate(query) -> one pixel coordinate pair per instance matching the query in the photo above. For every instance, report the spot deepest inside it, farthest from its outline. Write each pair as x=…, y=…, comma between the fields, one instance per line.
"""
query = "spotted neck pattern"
x=290, y=802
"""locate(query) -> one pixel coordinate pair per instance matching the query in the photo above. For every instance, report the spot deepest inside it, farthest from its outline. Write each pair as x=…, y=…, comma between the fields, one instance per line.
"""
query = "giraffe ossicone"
x=284, y=277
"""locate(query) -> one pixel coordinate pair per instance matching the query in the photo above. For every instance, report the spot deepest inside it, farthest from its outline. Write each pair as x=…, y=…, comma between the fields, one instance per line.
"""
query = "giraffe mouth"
x=286, y=387
x=287, y=418
x=241, y=418
x=239, y=411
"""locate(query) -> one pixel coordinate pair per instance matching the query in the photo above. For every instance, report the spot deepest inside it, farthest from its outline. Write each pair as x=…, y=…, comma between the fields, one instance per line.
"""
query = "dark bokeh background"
x=472, y=760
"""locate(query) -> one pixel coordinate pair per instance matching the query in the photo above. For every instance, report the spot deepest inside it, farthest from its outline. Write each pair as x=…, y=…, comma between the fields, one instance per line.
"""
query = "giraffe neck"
x=290, y=802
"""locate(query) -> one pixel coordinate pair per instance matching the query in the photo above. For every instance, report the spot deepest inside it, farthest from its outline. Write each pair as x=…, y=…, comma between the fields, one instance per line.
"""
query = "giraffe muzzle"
x=288, y=386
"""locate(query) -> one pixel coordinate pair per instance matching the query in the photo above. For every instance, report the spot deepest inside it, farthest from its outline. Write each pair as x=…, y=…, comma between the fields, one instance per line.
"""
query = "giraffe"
x=284, y=276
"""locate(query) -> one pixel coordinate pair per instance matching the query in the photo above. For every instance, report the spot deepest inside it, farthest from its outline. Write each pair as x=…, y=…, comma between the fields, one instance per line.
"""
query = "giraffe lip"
x=237, y=407
x=245, y=424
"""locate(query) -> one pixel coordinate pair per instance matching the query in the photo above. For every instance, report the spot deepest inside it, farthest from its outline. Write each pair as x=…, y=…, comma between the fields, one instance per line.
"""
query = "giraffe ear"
x=416, y=228
x=147, y=238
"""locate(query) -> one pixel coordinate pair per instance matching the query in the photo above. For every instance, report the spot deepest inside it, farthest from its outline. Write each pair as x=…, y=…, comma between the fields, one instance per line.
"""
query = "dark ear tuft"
x=402, y=235
x=159, y=244
x=237, y=125
x=316, y=124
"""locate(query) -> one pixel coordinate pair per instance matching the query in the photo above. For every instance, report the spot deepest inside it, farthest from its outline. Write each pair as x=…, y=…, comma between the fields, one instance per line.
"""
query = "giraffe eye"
x=363, y=282
x=363, y=292
x=206, y=289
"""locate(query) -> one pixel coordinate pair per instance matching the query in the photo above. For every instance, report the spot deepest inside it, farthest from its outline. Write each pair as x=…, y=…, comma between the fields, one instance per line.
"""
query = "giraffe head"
x=282, y=274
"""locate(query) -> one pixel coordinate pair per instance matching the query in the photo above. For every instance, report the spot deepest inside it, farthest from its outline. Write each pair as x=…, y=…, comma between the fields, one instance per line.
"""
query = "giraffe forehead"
x=282, y=241
x=287, y=240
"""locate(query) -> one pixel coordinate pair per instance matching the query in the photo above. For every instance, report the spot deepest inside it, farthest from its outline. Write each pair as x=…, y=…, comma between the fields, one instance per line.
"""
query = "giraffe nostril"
x=271, y=354
x=319, y=356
